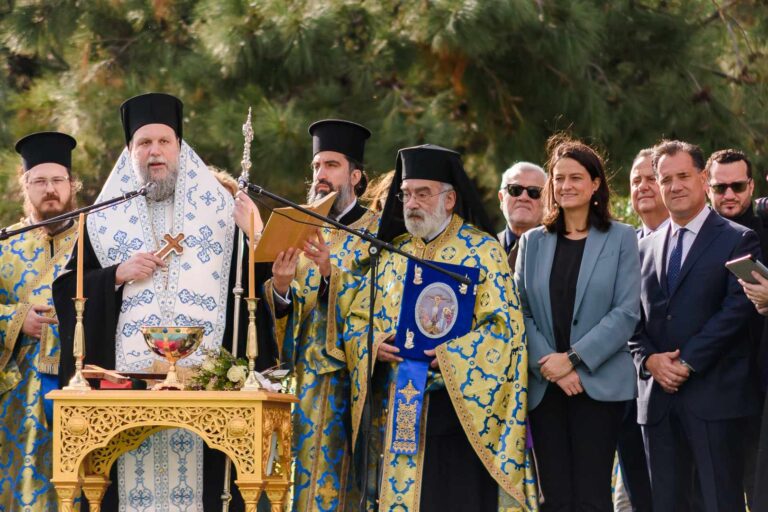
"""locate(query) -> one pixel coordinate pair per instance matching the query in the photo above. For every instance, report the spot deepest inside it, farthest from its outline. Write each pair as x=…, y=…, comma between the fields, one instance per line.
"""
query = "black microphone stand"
x=5, y=233
x=374, y=251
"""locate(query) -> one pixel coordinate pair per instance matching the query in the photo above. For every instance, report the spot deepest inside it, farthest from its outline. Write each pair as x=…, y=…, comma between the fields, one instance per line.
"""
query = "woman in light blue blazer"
x=578, y=277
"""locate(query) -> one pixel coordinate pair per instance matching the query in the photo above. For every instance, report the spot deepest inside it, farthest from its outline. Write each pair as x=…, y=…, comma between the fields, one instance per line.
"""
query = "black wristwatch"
x=573, y=357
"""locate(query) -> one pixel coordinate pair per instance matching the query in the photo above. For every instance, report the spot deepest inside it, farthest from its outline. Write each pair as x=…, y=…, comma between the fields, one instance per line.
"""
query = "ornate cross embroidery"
x=405, y=421
x=409, y=391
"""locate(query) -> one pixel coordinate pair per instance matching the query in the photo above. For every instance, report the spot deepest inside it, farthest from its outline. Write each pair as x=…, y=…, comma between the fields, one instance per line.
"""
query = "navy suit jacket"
x=706, y=316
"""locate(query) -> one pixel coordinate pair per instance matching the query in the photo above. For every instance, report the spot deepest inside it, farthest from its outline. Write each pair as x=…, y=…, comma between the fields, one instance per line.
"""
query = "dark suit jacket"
x=706, y=316
x=511, y=251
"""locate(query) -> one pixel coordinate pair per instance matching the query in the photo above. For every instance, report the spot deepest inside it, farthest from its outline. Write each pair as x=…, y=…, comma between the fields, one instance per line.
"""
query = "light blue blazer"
x=605, y=313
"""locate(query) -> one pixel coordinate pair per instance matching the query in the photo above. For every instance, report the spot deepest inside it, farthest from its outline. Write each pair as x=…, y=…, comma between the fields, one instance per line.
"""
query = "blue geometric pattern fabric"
x=28, y=265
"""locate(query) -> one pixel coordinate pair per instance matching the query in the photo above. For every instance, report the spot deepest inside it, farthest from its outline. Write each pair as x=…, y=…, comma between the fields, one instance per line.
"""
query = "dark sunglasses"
x=517, y=191
x=737, y=186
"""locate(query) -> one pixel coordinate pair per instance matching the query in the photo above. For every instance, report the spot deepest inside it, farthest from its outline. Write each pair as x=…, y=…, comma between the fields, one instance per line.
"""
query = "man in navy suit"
x=635, y=494
x=692, y=344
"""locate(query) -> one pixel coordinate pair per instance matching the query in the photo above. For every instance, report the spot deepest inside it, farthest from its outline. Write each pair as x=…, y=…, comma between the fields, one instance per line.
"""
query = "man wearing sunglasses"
x=731, y=188
x=730, y=192
x=520, y=202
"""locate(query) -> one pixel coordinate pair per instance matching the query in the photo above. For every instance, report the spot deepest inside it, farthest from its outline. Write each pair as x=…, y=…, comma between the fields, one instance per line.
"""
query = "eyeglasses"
x=420, y=197
x=737, y=186
x=517, y=190
x=42, y=183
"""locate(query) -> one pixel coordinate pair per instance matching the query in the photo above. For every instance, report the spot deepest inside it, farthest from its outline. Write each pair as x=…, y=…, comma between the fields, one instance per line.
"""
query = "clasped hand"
x=387, y=353
x=557, y=368
x=667, y=370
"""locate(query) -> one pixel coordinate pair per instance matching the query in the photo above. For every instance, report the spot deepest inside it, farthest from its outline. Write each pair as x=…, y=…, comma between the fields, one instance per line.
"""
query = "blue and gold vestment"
x=484, y=371
x=28, y=367
x=312, y=345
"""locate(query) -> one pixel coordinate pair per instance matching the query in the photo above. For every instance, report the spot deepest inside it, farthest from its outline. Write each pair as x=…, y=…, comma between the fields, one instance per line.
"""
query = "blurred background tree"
x=490, y=78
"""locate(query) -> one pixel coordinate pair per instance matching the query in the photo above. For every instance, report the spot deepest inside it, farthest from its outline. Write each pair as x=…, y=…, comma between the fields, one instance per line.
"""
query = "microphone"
x=146, y=189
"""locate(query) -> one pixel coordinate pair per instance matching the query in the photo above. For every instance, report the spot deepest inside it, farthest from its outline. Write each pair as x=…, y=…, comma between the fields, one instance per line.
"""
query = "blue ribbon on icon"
x=408, y=401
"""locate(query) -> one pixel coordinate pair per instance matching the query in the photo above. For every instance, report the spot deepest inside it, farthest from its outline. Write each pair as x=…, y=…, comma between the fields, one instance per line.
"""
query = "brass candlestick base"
x=172, y=343
x=252, y=350
x=78, y=382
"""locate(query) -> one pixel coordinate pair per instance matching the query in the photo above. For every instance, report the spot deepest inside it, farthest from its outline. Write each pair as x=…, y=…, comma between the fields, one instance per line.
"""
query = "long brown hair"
x=561, y=146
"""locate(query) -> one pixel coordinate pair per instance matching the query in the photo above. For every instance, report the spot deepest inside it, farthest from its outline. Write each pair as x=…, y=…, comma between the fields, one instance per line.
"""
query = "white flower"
x=209, y=365
x=237, y=373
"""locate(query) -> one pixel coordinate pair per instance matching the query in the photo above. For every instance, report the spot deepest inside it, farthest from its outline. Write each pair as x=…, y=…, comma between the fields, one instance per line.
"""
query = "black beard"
x=344, y=197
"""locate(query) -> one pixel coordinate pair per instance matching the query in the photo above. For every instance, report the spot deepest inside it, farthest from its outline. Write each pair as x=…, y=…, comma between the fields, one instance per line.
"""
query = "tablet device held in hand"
x=744, y=266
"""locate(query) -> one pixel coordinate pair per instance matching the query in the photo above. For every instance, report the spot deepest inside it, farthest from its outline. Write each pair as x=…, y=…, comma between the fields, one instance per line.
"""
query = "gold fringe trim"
x=13, y=333
x=368, y=220
x=466, y=422
x=331, y=330
x=270, y=299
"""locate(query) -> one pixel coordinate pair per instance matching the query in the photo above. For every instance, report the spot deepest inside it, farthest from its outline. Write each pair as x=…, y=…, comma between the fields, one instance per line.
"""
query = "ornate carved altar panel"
x=91, y=429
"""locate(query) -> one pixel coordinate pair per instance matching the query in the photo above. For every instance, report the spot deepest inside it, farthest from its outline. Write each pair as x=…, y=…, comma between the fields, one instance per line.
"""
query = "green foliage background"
x=491, y=78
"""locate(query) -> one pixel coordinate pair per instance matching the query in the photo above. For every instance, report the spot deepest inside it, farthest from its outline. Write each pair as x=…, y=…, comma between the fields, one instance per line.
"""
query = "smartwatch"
x=573, y=357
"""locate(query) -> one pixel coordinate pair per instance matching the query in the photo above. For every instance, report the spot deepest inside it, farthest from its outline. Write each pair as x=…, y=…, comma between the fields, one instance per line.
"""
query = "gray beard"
x=164, y=187
x=344, y=197
x=426, y=227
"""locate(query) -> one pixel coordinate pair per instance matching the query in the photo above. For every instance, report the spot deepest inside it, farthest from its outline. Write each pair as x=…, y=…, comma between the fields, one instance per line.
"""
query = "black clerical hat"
x=430, y=162
x=344, y=137
x=150, y=108
x=46, y=147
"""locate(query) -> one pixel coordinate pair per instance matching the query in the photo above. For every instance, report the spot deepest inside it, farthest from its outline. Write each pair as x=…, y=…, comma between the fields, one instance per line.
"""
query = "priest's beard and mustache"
x=344, y=197
x=39, y=215
x=425, y=224
x=165, y=185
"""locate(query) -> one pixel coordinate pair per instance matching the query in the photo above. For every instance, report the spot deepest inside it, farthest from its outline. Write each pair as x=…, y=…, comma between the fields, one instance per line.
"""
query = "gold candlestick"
x=80, y=244
x=252, y=349
x=78, y=382
x=251, y=263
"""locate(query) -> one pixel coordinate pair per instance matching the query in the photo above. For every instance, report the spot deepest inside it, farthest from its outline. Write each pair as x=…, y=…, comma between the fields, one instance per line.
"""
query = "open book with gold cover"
x=288, y=227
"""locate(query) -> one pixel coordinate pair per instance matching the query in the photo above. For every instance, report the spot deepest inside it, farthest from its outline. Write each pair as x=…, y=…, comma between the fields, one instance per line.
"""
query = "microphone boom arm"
x=5, y=233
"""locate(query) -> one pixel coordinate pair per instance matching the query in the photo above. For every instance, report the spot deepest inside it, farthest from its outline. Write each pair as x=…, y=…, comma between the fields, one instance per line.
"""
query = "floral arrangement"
x=219, y=371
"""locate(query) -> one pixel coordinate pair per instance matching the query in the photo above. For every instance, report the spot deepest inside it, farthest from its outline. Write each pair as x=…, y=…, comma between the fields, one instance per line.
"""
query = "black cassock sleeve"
x=102, y=308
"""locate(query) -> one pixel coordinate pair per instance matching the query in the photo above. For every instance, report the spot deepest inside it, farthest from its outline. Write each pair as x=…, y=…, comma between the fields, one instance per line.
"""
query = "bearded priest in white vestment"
x=128, y=286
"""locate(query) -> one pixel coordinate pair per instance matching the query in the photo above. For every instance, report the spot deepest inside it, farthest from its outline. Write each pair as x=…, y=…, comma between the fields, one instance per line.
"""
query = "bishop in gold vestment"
x=471, y=452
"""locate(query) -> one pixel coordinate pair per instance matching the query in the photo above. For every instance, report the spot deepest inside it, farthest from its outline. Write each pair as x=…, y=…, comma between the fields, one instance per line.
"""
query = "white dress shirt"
x=693, y=227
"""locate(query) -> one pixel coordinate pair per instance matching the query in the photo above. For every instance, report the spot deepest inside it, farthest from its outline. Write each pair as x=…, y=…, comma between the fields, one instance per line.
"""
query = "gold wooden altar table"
x=91, y=429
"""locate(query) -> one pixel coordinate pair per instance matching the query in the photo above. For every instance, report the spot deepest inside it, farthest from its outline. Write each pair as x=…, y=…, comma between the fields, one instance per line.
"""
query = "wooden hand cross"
x=172, y=244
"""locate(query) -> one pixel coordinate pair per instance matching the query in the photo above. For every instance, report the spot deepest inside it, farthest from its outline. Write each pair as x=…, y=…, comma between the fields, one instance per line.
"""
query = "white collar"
x=647, y=231
x=694, y=225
